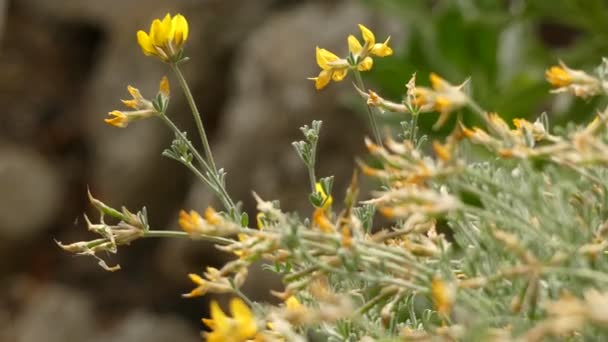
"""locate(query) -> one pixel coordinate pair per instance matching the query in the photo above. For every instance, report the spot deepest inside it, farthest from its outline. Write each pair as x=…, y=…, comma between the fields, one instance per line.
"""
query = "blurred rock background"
x=65, y=64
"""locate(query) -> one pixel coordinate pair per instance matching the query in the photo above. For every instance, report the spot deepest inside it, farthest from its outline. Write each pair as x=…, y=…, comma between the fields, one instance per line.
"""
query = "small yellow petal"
x=146, y=45
x=366, y=64
x=119, y=119
x=339, y=75
x=180, y=25
x=368, y=36
x=353, y=45
x=382, y=50
x=157, y=34
x=130, y=103
x=168, y=29
x=247, y=326
x=324, y=57
x=218, y=316
x=196, y=279
x=327, y=200
x=322, y=80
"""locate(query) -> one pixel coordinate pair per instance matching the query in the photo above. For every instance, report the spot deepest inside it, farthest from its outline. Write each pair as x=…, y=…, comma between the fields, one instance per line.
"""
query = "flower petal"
x=339, y=74
x=157, y=34
x=168, y=28
x=247, y=326
x=368, y=36
x=219, y=318
x=324, y=57
x=366, y=64
x=382, y=50
x=353, y=45
x=145, y=43
x=180, y=24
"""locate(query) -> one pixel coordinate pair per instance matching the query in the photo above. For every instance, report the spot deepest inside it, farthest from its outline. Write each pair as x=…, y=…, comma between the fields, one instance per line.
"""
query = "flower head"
x=142, y=108
x=165, y=39
x=336, y=68
x=442, y=97
x=240, y=327
x=576, y=82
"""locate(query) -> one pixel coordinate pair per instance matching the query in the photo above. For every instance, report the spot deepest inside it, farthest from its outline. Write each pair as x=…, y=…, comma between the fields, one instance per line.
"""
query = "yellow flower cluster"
x=336, y=68
x=443, y=97
x=166, y=38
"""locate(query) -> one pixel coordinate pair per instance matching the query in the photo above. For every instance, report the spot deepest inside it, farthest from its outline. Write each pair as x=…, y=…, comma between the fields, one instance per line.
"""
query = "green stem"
x=196, y=114
x=179, y=234
x=215, y=184
x=372, y=118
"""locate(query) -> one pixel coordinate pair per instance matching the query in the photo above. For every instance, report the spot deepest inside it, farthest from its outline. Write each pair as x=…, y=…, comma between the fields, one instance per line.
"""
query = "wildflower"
x=336, y=68
x=443, y=97
x=577, y=82
x=240, y=327
x=142, y=108
x=166, y=38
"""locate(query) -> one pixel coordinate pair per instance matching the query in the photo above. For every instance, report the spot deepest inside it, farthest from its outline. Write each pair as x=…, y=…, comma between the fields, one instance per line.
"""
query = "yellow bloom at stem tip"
x=165, y=39
x=336, y=68
x=240, y=327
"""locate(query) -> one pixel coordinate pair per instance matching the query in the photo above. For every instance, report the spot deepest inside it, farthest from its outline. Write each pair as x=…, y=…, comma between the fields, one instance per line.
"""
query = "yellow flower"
x=166, y=38
x=576, y=82
x=327, y=200
x=238, y=328
x=142, y=108
x=558, y=76
x=442, y=97
x=336, y=68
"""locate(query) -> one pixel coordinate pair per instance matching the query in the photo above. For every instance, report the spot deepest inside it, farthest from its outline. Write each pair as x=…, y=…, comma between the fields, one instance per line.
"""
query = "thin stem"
x=372, y=118
x=311, y=167
x=414, y=129
x=196, y=114
x=218, y=188
x=179, y=234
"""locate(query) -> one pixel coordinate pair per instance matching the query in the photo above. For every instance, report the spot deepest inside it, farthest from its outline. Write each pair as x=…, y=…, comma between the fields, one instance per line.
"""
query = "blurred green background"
x=65, y=64
x=503, y=46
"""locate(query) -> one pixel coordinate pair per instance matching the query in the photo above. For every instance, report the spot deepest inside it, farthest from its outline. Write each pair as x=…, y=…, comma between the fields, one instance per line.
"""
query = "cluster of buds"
x=405, y=165
x=583, y=146
x=211, y=223
x=407, y=200
x=130, y=228
x=575, y=82
x=359, y=58
x=142, y=107
x=442, y=97
x=218, y=281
